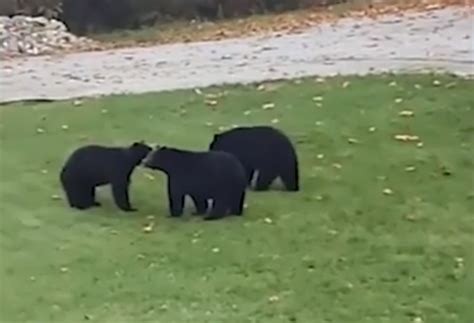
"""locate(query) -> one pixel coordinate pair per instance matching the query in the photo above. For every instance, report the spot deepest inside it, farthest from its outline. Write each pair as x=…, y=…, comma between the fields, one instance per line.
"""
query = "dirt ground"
x=433, y=40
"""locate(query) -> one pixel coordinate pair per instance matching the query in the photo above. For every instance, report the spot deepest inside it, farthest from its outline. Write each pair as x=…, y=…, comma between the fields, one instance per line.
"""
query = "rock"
x=28, y=36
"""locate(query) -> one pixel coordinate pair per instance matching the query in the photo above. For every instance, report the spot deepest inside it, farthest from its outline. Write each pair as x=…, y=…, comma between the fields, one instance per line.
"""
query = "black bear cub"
x=264, y=149
x=93, y=165
x=201, y=175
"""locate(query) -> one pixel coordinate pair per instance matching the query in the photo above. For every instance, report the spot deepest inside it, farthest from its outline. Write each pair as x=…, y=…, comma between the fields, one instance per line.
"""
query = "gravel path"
x=441, y=39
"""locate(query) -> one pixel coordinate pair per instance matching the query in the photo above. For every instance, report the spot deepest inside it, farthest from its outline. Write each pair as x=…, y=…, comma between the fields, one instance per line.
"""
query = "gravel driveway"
x=440, y=39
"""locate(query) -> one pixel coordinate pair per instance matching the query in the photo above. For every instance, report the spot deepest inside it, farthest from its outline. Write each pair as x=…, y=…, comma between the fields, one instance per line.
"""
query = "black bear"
x=264, y=149
x=93, y=165
x=201, y=175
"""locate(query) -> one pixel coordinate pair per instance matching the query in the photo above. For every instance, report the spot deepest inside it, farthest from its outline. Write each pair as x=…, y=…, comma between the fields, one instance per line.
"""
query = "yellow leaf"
x=268, y=106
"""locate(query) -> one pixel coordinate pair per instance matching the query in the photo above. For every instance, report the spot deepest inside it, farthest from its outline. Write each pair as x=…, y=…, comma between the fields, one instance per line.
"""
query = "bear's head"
x=162, y=158
x=138, y=151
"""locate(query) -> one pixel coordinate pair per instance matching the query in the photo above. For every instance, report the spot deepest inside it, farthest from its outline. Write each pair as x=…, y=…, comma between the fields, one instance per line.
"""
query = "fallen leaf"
x=65, y=127
x=64, y=269
x=209, y=124
x=55, y=197
x=336, y=165
x=104, y=111
x=268, y=106
x=320, y=156
x=420, y=144
x=40, y=130
x=410, y=168
x=320, y=80
x=77, y=103
x=211, y=103
x=398, y=100
x=274, y=298
x=406, y=138
x=346, y=84
x=393, y=83
x=318, y=98
x=450, y=85
x=221, y=128
x=436, y=83
x=372, y=129
x=215, y=250
x=274, y=121
x=319, y=198
x=140, y=256
x=149, y=176
x=198, y=91
x=352, y=141
x=417, y=86
x=261, y=87
x=318, y=123
x=148, y=228
x=406, y=113
x=268, y=220
x=247, y=112
x=44, y=171
x=387, y=191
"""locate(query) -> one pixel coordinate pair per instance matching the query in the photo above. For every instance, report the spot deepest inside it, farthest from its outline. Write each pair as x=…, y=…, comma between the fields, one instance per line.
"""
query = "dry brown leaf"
x=77, y=103
x=268, y=220
x=318, y=98
x=148, y=228
x=268, y=106
x=149, y=176
x=407, y=138
x=406, y=113
x=211, y=103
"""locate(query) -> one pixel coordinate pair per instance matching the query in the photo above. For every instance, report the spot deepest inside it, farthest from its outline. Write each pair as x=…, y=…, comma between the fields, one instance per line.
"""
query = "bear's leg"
x=219, y=209
x=175, y=200
x=120, y=194
x=200, y=203
x=265, y=178
x=78, y=196
x=249, y=172
x=238, y=200
x=290, y=177
x=92, y=196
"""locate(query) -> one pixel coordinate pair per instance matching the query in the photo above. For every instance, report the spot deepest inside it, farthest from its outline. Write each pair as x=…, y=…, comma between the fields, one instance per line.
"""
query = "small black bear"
x=264, y=149
x=93, y=165
x=201, y=175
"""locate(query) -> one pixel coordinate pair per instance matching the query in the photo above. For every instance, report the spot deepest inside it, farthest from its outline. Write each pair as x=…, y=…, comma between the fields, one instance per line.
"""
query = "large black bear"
x=201, y=175
x=264, y=149
x=93, y=165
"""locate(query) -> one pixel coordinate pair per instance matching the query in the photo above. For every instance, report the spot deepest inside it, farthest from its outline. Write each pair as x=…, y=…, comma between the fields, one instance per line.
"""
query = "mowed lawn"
x=382, y=230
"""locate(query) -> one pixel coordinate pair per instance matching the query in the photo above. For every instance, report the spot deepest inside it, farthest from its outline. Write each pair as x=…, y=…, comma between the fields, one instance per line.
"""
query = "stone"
x=29, y=36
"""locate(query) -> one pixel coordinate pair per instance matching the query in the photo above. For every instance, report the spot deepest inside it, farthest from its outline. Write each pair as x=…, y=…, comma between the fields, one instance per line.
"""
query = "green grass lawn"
x=382, y=230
